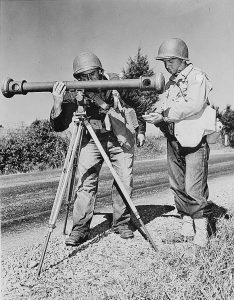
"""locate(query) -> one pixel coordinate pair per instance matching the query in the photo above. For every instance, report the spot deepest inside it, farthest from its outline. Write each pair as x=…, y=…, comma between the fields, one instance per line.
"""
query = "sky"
x=40, y=38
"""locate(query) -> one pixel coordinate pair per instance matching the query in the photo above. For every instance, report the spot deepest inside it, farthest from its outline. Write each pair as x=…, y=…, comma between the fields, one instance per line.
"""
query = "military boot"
x=201, y=237
x=124, y=231
x=187, y=229
x=77, y=237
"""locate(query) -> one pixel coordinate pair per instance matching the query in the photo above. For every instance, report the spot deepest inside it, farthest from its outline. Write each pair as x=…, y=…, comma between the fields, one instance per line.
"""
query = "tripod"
x=68, y=174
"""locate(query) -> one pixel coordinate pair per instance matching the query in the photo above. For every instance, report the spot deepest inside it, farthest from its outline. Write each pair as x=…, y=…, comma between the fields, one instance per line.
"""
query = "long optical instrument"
x=156, y=82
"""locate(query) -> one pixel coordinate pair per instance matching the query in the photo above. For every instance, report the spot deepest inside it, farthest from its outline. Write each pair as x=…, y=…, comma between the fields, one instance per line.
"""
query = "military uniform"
x=91, y=160
x=186, y=96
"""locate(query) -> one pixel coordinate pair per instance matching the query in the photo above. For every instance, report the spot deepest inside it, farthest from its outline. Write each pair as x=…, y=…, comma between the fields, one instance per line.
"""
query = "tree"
x=136, y=67
x=139, y=66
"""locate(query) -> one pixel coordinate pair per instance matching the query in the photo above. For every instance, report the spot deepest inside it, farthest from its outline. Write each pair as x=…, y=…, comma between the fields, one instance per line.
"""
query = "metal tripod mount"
x=67, y=178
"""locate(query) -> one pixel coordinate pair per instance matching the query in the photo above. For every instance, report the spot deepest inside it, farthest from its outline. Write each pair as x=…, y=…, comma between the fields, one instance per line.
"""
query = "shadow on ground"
x=147, y=213
x=215, y=212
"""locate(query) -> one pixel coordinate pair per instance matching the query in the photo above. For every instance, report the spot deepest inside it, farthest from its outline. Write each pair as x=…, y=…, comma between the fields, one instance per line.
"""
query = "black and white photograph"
x=117, y=149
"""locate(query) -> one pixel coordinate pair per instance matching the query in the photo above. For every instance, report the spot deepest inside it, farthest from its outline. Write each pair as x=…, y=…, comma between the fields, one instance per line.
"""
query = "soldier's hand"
x=153, y=118
x=140, y=139
x=58, y=92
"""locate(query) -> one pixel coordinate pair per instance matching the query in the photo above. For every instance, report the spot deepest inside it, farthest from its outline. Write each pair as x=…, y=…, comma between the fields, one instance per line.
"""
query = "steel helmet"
x=84, y=62
x=173, y=48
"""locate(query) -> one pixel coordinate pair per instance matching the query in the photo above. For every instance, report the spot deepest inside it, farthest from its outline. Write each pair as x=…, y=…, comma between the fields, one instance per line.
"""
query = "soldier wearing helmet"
x=86, y=61
x=87, y=66
x=179, y=115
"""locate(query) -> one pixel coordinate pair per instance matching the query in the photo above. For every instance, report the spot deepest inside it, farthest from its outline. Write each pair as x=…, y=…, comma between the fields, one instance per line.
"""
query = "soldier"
x=87, y=66
x=179, y=115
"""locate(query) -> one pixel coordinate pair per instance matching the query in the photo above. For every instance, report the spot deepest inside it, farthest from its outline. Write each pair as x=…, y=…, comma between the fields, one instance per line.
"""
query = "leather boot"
x=187, y=229
x=124, y=231
x=201, y=237
x=77, y=237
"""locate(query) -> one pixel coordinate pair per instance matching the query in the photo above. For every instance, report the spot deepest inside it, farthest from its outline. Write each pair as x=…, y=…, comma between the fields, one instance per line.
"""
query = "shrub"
x=34, y=147
x=227, y=118
x=231, y=138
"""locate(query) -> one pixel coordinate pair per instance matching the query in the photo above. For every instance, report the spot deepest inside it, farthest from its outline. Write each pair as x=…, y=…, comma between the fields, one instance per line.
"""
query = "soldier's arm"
x=63, y=120
x=61, y=115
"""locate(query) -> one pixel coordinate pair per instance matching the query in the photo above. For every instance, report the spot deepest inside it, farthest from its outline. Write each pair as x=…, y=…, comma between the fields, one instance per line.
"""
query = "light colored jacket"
x=186, y=104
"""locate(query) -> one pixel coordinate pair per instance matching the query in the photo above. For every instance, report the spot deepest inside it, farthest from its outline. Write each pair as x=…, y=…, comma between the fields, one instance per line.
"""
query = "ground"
x=108, y=267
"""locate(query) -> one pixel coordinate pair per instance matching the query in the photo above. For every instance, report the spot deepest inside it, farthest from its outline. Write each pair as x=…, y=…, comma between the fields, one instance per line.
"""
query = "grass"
x=178, y=271
x=112, y=268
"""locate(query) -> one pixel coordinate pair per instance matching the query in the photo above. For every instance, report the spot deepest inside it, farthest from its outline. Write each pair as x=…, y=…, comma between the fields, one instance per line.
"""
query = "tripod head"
x=156, y=82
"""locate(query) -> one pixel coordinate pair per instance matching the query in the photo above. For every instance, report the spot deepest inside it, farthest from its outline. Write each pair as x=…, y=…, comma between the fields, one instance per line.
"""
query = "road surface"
x=28, y=198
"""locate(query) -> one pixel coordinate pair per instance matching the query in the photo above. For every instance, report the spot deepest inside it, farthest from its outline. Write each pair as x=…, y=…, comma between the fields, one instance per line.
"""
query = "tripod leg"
x=44, y=251
x=68, y=201
x=71, y=183
x=65, y=176
x=68, y=156
x=118, y=181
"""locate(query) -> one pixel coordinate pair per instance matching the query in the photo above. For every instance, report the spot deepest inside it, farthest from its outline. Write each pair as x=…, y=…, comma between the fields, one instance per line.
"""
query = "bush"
x=34, y=147
x=227, y=118
x=231, y=138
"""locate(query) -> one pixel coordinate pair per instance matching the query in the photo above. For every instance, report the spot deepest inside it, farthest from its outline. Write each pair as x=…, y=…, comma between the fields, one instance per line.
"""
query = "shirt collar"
x=183, y=74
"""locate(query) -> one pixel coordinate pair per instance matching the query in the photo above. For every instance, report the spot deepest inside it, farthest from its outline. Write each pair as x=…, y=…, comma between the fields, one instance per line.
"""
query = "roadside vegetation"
x=30, y=148
x=37, y=148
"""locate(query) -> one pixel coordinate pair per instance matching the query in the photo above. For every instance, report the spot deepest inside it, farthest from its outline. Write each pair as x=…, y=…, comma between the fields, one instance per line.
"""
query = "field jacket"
x=94, y=111
x=185, y=106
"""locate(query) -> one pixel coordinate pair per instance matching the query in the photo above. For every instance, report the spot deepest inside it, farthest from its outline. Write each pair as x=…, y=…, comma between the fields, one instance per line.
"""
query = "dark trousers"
x=89, y=167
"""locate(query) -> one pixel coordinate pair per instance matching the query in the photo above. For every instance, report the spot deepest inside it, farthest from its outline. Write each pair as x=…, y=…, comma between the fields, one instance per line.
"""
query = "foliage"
x=38, y=147
x=227, y=119
x=136, y=67
x=139, y=66
x=30, y=148
x=218, y=113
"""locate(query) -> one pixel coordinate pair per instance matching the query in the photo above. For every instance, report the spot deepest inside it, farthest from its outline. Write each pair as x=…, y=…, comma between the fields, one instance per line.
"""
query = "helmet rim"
x=86, y=61
x=173, y=48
